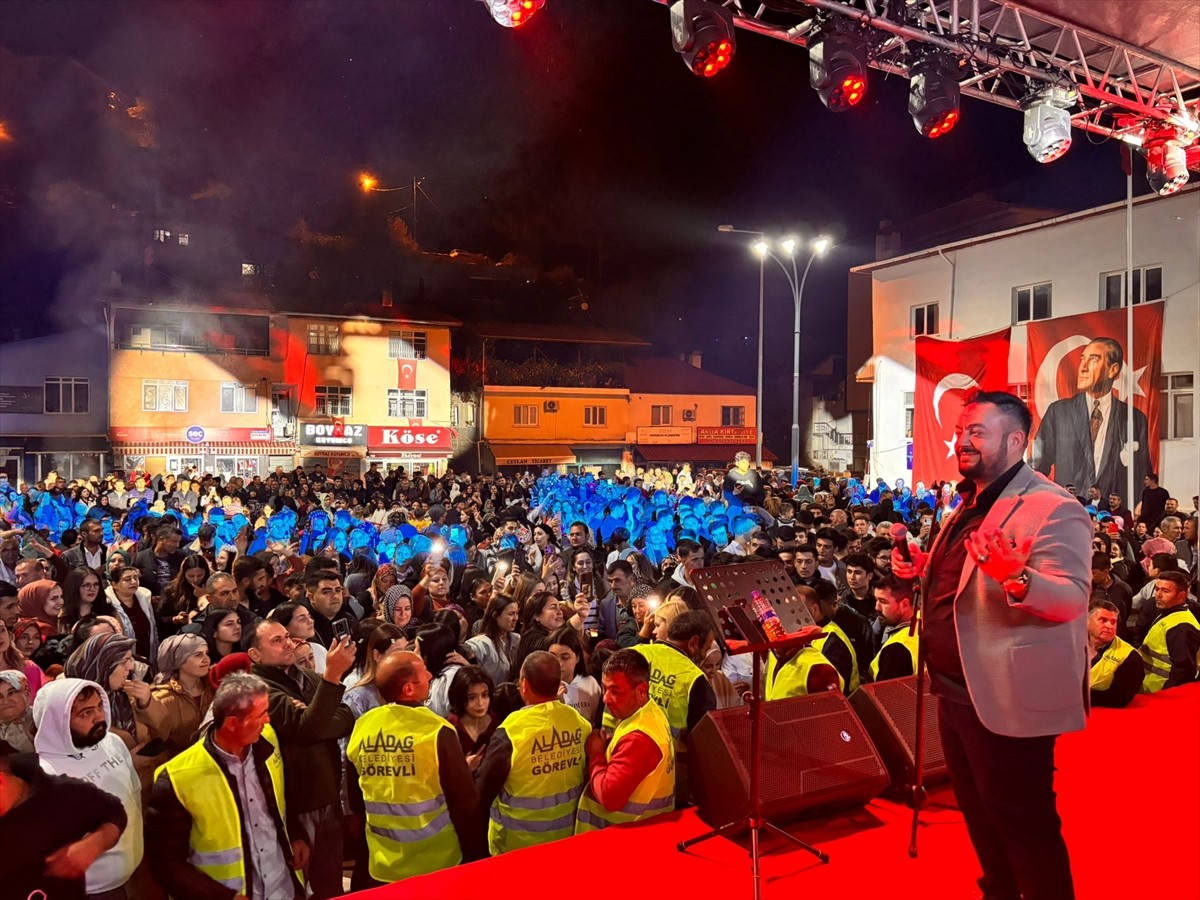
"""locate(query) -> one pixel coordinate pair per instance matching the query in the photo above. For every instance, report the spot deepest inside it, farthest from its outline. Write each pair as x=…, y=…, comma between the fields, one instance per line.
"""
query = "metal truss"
x=1006, y=52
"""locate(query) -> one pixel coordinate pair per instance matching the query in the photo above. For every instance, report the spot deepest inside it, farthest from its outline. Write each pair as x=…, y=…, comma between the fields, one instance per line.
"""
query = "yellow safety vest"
x=790, y=679
x=1154, y=649
x=671, y=678
x=831, y=628
x=1108, y=663
x=546, y=775
x=394, y=750
x=656, y=793
x=899, y=636
x=202, y=787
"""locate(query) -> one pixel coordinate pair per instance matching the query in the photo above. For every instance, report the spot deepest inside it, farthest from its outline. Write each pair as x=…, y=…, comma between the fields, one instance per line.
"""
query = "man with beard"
x=71, y=716
x=1005, y=589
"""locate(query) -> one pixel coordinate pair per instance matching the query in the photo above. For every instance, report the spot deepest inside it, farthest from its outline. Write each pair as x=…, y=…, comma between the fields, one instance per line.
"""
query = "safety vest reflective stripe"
x=539, y=826
x=541, y=802
x=216, y=857
x=638, y=809
x=405, y=835
x=406, y=809
x=1106, y=666
x=1155, y=652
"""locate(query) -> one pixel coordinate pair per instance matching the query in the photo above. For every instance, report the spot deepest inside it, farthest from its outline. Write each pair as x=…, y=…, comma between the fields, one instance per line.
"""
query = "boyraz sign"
x=332, y=434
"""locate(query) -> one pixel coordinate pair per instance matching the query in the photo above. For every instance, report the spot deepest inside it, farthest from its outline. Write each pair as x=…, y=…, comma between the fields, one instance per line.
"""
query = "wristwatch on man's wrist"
x=1017, y=585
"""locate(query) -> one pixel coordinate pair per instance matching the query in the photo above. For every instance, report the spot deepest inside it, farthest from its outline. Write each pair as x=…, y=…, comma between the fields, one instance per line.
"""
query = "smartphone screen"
x=585, y=583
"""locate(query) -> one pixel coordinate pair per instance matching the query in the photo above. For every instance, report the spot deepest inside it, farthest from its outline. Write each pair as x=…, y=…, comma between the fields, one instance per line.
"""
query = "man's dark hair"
x=686, y=547
x=826, y=592
x=166, y=531
x=877, y=545
x=805, y=550
x=1177, y=578
x=1101, y=561
x=631, y=664
x=830, y=534
x=901, y=590
x=1153, y=476
x=1009, y=404
x=316, y=576
x=690, y=624
x=206, y=532
x=245, y=567
x=1164, y=562
x=1114, y=352
x=620, y=565
x=860, y=561
x=1103, y=604
x=543, y=671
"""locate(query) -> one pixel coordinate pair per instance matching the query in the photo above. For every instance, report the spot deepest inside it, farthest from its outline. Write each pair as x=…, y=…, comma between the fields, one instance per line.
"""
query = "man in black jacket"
x=308, y=716
x=90, y=551
x=160, y=564
x=233, y=759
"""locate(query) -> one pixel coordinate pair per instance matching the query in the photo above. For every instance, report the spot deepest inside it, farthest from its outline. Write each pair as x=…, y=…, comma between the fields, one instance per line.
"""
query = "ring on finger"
x=983, y=558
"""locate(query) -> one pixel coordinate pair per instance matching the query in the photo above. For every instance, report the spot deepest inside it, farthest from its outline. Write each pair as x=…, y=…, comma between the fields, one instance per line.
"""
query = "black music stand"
x=726, y=592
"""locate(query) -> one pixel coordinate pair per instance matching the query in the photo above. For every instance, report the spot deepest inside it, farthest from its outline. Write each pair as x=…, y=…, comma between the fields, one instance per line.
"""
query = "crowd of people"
x=233, y=688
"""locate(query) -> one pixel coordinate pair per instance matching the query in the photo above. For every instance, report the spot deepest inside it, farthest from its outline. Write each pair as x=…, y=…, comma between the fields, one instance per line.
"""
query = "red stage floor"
x=1129, y=795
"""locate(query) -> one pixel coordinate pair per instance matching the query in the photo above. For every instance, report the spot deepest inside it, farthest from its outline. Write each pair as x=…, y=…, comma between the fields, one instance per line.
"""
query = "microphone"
x=899, y=535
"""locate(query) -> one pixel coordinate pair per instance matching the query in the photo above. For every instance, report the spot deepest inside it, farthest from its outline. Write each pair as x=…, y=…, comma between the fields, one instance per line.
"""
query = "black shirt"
x=751, y=483
x=938, y=632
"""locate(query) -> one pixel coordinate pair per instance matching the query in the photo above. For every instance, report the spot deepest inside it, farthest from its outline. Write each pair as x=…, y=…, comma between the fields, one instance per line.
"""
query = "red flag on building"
x=407, y=380
x=1080, y=381
x=945, y=370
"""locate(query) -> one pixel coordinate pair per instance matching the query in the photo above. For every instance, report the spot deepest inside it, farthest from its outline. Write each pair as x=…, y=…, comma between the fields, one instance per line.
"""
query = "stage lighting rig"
x=702, y=34
x=513, y=13
x=1166, y=159
x=837, y=66
x=933, y=96
x=1047, y=132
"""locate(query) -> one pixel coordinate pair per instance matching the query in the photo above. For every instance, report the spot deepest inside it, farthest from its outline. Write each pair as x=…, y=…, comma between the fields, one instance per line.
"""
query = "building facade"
x=1061, y=267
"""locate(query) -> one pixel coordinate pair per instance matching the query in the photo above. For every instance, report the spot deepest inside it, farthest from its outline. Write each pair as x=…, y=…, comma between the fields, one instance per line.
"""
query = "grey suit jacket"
x=1026, y=663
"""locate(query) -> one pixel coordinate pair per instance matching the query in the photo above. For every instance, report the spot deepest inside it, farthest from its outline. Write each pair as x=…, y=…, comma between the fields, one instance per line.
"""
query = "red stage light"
x=712, y=59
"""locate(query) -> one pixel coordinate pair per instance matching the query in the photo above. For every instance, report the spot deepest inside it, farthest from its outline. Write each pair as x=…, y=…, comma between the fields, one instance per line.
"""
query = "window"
x=183, y=240
x=241, y=466
x=733, y=416
x=164, y=396
x=1031, y=303
x=180, y=465
x=525, y=414
x=924, y=320
x=660, y=415
x=333, y=400
x=595, y=415
x=324, y=338
x=455, y=416
x=249, y=269
x=406, y=345
x=470, y=414
x=161, y=235
x=67, y=396
x=238, y=398
x=1178, y=402
x=407, y=404
x=909, y=403
x=1112, y=287
x=69, y=466
x=155, y=336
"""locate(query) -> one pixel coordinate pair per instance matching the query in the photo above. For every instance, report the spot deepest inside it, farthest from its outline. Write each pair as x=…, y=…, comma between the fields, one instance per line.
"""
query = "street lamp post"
x=758, y=409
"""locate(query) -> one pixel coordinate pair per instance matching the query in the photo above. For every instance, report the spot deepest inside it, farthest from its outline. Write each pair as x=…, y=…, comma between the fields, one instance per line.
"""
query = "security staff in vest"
x=631, y=771
x=834, y=643
x=1117, y=668
x=797, y=673
x=1171, y=646
x=897, y=656
x=408, y=776
x=216, y=821
x=534, y=767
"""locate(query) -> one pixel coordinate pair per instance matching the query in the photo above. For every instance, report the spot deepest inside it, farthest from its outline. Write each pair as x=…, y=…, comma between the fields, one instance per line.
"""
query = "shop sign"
x=725, y=435
x=194, y=434
x=332, y=434
x=665, y=434
x=22, y=399
x=393, y=439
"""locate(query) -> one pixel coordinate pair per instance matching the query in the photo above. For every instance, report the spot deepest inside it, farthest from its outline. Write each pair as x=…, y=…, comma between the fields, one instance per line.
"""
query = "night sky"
x=580, y=140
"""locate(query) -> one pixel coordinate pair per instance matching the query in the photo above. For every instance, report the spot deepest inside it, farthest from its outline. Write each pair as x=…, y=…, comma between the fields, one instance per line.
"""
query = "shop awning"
x=216, y=448
x=532, y=454
x=696, y=453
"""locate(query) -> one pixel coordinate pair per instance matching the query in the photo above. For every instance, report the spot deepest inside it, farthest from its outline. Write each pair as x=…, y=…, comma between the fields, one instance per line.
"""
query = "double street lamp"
x=763, y=249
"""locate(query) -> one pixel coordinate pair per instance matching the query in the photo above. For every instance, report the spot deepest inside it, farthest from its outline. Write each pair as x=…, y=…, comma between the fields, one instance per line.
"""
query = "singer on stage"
x=1005, y=588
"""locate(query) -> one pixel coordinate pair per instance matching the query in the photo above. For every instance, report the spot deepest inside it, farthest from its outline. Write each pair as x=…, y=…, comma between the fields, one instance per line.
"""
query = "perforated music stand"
x=726, y=592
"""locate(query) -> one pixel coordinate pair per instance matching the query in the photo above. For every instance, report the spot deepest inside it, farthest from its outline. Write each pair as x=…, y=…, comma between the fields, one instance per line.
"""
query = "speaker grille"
x=888, y=710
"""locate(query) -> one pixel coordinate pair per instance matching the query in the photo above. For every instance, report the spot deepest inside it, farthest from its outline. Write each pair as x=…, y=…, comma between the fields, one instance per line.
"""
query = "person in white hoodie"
x=71, y=716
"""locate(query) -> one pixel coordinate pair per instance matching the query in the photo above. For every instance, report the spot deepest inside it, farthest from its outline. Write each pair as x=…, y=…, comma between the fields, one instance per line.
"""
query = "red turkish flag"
x=407, y=380
x=945, y=370
x=1065, y=391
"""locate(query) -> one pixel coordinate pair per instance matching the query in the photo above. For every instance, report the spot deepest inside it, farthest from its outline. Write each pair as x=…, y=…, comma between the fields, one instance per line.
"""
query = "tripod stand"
x=725, y=591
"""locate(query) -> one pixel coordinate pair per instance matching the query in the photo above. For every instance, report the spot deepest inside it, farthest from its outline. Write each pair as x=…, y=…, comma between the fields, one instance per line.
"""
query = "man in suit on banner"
x=1084, y=438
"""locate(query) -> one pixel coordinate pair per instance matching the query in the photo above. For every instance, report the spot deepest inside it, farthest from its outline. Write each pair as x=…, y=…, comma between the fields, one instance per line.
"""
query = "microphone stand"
x=918, y=795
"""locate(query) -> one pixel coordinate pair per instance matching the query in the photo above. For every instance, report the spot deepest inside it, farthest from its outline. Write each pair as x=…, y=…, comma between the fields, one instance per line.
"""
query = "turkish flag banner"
x=945, y=370
x=407, y=375
x=1081, y=379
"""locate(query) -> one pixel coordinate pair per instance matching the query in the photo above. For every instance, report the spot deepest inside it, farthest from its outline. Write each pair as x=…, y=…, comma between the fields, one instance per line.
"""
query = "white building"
x=1076, y=264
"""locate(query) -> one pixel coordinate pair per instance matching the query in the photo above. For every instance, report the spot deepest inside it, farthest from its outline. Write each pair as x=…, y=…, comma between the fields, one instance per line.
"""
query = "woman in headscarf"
x=43, y=600
x=16, y=721
x=398, y=610
x=182, y=691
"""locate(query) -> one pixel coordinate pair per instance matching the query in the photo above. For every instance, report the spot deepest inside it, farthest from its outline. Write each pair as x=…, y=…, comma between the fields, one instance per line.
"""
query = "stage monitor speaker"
x=815, y=757
x=888, y=710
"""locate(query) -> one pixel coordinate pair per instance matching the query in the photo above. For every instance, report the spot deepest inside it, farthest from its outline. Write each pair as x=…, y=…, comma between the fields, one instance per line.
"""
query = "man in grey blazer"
x=1005, y=596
